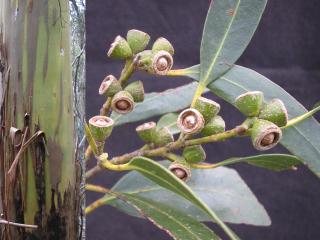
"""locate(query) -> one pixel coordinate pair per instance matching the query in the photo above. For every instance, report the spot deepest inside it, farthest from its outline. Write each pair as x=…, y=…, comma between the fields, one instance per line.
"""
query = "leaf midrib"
x=205, y=80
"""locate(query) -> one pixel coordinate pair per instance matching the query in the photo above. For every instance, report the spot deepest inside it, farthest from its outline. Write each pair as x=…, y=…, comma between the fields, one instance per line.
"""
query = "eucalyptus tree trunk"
x=37, y=101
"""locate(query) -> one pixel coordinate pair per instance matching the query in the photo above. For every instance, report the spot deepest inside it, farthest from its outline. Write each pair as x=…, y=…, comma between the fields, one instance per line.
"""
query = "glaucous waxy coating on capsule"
x=137, y=40
x=207, y=107
x=120, y=49
x=214, y=126
x=109, y=86
x=181, y=170
x=136, y=90
x=190, y=121
x=276, y=112
x=162, y=44
x=194, y=154
x=144, y=60
x=147, y=132
x=162, y=63
x=101, y=127
x=162, y=137
x=265, y=135
x=250, y=103
x=122, y=102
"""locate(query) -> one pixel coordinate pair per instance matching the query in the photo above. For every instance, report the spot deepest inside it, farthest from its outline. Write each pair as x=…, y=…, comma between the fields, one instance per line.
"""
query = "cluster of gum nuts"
x=265, y=118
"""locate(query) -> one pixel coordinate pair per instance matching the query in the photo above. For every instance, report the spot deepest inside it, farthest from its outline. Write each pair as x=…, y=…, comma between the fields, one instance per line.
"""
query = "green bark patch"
x=36, y=69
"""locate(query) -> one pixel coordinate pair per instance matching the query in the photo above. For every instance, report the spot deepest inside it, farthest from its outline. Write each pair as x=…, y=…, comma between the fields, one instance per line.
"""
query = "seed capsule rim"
x=198, y=126
x=177, y=165
x=125, y=96
x=273, y=128
x=109, y=121
x=105, y=85
x=101, y=132
x=157, y=57
x=118, y=39
x=149, y=128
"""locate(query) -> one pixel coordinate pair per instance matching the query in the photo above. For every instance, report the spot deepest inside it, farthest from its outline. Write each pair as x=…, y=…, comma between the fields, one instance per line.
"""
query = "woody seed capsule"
x=101, y=127
x=147, y=132
x=122, y=102
x=181, y=170
x=120, y=49
x=265, y=135
x=136, y=90
x=208, y=108
x=109, y=86
x=214, y=126
x=162, y=44
x=162, y=62
x=162, y=137
x=276, y=112
x=194, y=154
x=137, y=40
x=190, y=121
x=250, y=103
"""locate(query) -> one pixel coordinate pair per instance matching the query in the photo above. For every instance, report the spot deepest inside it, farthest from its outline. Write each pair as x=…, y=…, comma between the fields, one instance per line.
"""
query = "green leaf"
x=163, y=177
x=90, y=139
x=228, y=29
x=302, y=140
x=222, y=189
x=156, y=104
x=274, y=162
x=177, y=224
x=169, y=120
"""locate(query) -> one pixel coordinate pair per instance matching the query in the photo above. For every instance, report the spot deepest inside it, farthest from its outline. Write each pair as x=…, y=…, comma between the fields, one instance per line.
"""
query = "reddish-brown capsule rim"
x=158, y=66
x=129, y=104
x=175, y=166
x=113, y=45
x=101, y=121
x=259, y=142
x=146, y=126
x=194, y=115
x=105, y=84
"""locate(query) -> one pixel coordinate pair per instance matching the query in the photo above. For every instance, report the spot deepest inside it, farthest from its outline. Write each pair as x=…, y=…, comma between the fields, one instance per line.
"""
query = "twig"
x=2, y=221
x=12, y=170
x=161, y=151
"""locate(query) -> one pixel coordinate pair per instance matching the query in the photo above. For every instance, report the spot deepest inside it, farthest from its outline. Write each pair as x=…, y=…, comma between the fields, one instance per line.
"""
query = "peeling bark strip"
x=36, y=79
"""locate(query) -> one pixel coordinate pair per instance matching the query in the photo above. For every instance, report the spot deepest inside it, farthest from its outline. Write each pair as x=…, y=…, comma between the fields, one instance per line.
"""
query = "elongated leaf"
x=275, y=162
x=303, y=139
x=163, y=177
x=177, y=224
x=170, y=121
x=90, y=139
x=156, y=104
x=229, y=27
x=222, y=189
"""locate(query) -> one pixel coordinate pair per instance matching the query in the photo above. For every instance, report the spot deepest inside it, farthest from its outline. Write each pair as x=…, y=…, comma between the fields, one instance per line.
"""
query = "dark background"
x=285, y=48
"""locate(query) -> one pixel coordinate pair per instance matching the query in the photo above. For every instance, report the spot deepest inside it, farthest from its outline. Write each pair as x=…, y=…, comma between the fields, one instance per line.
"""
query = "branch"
x=161, y=151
